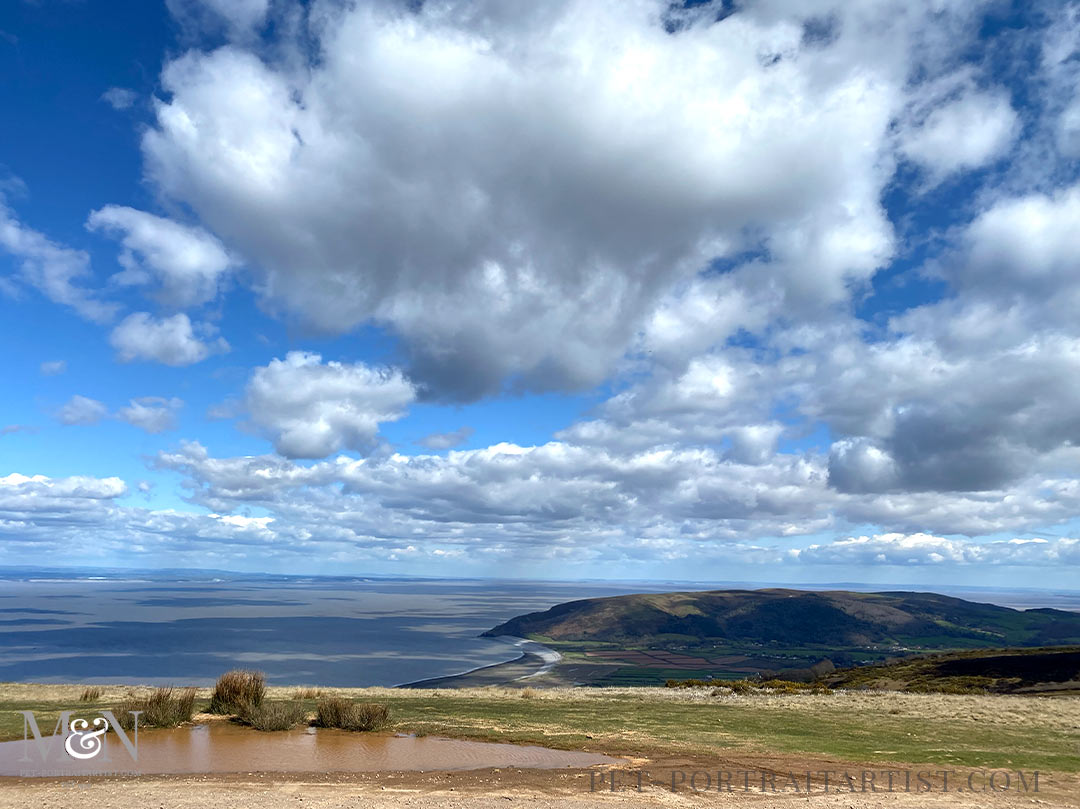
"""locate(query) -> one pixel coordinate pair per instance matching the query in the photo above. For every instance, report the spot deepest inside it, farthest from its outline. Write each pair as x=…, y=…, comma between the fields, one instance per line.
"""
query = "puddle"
x=222, y=747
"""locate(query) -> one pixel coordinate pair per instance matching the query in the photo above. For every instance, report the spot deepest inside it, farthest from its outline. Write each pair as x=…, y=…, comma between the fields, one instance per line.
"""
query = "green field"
x=870, y=727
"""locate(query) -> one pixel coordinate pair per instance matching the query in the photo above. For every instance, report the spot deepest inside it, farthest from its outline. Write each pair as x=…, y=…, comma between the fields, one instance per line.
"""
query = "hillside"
x=997, y=671
x=828, y=619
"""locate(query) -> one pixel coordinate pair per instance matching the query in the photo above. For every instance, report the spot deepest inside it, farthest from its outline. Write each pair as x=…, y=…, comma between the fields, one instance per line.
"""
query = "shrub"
x=273, y=715
x=91, y=693
x=238, y=690
x=307, y=693
x=338, y=712
x=164, y=708
x=528, y=693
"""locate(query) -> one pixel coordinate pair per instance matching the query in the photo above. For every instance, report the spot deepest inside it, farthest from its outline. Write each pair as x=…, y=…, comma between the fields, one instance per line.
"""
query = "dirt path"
x=510, y=788
x=504, y=793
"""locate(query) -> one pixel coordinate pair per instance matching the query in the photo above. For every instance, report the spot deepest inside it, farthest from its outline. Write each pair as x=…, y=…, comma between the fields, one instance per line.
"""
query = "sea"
x=186, y=627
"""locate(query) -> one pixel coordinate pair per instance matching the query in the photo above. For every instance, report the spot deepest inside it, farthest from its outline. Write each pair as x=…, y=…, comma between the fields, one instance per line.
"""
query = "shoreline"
x=534, y=660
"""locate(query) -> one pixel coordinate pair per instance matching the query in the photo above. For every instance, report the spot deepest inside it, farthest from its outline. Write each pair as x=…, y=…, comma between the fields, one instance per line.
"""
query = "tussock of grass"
x=308, y=692
x=164, y=708
x=338, y=712
x=270, y=716
x=237, y=691
x=528, y=693
x=91, y=693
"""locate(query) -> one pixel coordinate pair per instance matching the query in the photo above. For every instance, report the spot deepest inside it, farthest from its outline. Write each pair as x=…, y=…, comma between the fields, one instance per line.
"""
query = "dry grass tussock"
x=338, y=712
x=270, y=716
x=238, y=691
x=162, y=708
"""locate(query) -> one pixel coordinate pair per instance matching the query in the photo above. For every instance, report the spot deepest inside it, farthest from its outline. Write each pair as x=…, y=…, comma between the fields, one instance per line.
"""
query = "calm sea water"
x=187, y=628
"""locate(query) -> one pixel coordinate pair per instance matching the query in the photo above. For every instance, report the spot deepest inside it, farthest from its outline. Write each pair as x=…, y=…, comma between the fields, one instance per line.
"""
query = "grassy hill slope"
x=829, y=619
x=998, y=671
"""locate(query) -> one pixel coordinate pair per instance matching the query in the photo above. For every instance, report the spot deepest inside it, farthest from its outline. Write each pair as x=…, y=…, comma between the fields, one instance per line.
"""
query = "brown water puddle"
x=222, y=747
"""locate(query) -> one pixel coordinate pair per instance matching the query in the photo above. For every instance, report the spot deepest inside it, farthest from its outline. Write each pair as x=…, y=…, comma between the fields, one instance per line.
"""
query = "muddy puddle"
x=222, y=747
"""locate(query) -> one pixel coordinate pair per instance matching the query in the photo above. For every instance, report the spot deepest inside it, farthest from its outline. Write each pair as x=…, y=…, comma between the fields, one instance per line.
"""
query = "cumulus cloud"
x=965, y=133
x=687, y=210
x=170, y=340
x=624, y=146
x=151, y=413
x=53, y=269
x=446, y=440
x=241, y=18
x=925, y=549
x=53, y=367
x=652, y=505
x=36, y=489
x=82, y=410
x=311, y=409
x=1024, y=244
x=120, y=98
x=186, y=262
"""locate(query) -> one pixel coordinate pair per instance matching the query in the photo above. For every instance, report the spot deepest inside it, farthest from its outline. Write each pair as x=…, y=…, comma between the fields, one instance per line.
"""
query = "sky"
x=770, y=291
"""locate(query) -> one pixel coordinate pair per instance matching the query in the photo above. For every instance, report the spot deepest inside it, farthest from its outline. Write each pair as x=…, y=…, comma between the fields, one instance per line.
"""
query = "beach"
x=536, y=660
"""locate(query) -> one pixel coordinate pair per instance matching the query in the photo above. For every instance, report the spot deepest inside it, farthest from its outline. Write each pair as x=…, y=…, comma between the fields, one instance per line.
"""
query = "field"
x=870, y=727
x=658, y=730
x=676, y=658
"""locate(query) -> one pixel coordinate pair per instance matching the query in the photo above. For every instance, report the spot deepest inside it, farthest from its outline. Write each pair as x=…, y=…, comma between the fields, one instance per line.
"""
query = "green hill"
x=780, y=617
x=1003, y=671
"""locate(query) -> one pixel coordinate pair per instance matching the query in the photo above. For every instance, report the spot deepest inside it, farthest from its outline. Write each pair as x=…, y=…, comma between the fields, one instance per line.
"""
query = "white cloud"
x=53, y=367
x=82, y=410
x=446, y=440
x=30, y=491
x=52, y=269
x=120, y=98
x=925, y=549
x=311, y=409
x=619, y=153
x=151, y=413
x=240, y=17
x=966, y=133
x=171, y=340
x=1028, y=243
x=187, y=262
x=1069, y=129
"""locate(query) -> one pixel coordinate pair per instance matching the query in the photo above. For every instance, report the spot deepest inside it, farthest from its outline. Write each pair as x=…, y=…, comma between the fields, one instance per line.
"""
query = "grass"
x=307, y=692
x=863, y=726
x=722, y=687
x=339, y=712
x=237, y=691
x=163, y=708
x=91, y=693
x=270, y=716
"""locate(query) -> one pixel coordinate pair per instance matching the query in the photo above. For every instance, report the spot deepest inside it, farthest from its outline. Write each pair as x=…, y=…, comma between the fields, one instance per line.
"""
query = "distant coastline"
x=535, y=659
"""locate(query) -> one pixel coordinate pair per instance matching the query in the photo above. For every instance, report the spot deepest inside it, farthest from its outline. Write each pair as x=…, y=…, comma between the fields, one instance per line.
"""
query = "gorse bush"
x=238, y=690
x=164, y=708
x=273, y=715
x=338, y=712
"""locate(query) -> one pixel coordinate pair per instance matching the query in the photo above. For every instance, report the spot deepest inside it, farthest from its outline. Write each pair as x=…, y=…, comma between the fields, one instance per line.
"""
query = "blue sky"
x=592, y=290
